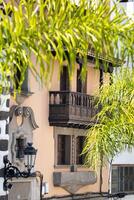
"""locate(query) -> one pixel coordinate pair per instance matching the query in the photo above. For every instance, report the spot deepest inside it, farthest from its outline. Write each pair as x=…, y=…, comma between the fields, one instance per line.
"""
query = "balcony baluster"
x=71, y=108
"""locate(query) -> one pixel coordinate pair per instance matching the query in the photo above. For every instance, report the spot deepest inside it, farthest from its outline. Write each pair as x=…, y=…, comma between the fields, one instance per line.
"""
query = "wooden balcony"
x=71, y=109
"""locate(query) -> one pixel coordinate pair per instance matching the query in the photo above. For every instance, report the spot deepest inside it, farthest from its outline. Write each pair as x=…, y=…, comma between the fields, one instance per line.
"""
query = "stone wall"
x=4, y=136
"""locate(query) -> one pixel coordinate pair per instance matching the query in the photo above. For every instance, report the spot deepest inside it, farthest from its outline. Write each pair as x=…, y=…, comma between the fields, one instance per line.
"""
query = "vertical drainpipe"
x=4, y=130
x=110, y=177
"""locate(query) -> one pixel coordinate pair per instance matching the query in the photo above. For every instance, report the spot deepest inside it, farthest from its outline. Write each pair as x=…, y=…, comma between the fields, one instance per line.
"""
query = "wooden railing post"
x=81, y=107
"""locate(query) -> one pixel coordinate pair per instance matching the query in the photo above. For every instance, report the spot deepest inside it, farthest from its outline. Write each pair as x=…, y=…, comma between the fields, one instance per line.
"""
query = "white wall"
x=125, y=157
x=129, y=197
x=129, y=8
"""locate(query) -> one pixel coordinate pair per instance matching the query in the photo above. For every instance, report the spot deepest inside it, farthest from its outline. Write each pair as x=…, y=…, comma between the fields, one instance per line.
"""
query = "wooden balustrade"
x=71, y=108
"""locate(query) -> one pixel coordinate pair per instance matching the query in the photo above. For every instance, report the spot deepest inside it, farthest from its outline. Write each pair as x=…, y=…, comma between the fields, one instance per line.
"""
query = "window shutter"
x=64, y=79
x=25, y=85
x=81, y=84
x=115, y=179
x=63, y=151
x=79, y=148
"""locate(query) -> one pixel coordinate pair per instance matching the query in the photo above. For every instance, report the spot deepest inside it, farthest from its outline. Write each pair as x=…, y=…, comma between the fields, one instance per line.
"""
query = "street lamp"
x=11, y=171
x=29, y=156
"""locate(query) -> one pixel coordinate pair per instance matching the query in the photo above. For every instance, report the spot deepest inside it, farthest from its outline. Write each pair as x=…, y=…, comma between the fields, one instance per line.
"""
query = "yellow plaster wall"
x=92, y=80
x=43, y=136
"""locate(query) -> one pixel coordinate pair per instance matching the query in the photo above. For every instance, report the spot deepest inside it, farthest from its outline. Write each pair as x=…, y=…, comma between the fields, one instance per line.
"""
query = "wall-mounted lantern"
x=29, y=157
x=11, y=171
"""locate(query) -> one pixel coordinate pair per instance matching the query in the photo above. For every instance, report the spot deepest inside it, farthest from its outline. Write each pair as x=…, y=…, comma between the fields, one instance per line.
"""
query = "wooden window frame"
x=25, y=87
x=64, y=79
x=122, y=178
x=72, y=148
x=63, y=149
x=78, y=156
x=101, y=77
x=81, y=85
x=124, y=1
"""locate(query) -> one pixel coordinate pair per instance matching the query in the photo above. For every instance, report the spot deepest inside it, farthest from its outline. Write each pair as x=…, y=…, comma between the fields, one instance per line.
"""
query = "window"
x=64, y=79
x=101, y=77
x=24, y=86
x=81, y=84
x=68, y=146
x=20, y=145
x=64, y=143
x=124, y=0
x=122, y=179
x=79, y=148
x=64, y=84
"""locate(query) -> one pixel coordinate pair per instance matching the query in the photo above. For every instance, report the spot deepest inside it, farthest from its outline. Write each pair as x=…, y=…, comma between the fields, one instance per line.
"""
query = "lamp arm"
x=12, y=171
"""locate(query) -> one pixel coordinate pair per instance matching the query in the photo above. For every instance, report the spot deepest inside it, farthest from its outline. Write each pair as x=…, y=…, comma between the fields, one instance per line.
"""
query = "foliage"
x=57, y=30
x=115, y=128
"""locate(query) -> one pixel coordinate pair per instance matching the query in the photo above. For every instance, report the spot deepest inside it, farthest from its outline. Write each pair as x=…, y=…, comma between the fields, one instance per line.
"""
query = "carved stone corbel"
x=24, y=130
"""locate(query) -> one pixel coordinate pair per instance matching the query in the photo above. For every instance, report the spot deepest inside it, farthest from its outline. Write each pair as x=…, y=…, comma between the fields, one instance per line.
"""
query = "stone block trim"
x=3, y=145
x=4, y=102
x=1, y=172
x=4, y=137
x=7, y=128
x=4, y=115
x=4, y=197
x=7, y=103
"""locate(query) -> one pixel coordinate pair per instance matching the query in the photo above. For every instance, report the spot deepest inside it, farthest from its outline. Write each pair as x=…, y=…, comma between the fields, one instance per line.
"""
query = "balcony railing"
x=71, y=109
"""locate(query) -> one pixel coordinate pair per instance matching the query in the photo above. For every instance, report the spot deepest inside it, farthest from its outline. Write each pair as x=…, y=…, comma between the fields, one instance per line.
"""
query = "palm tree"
x=114, y=130
x=57, y=30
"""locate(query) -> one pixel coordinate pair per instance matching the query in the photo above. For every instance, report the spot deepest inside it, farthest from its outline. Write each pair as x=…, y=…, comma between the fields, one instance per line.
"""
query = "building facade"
x=56, y=118
x=56, y=121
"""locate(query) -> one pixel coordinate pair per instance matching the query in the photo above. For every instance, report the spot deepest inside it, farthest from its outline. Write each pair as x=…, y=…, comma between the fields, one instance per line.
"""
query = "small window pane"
x=20, y=145
x=79, y=148
x=63, y=149
x=64, y=79
x=81, y=84
x=24, y=86
x=123, y=180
